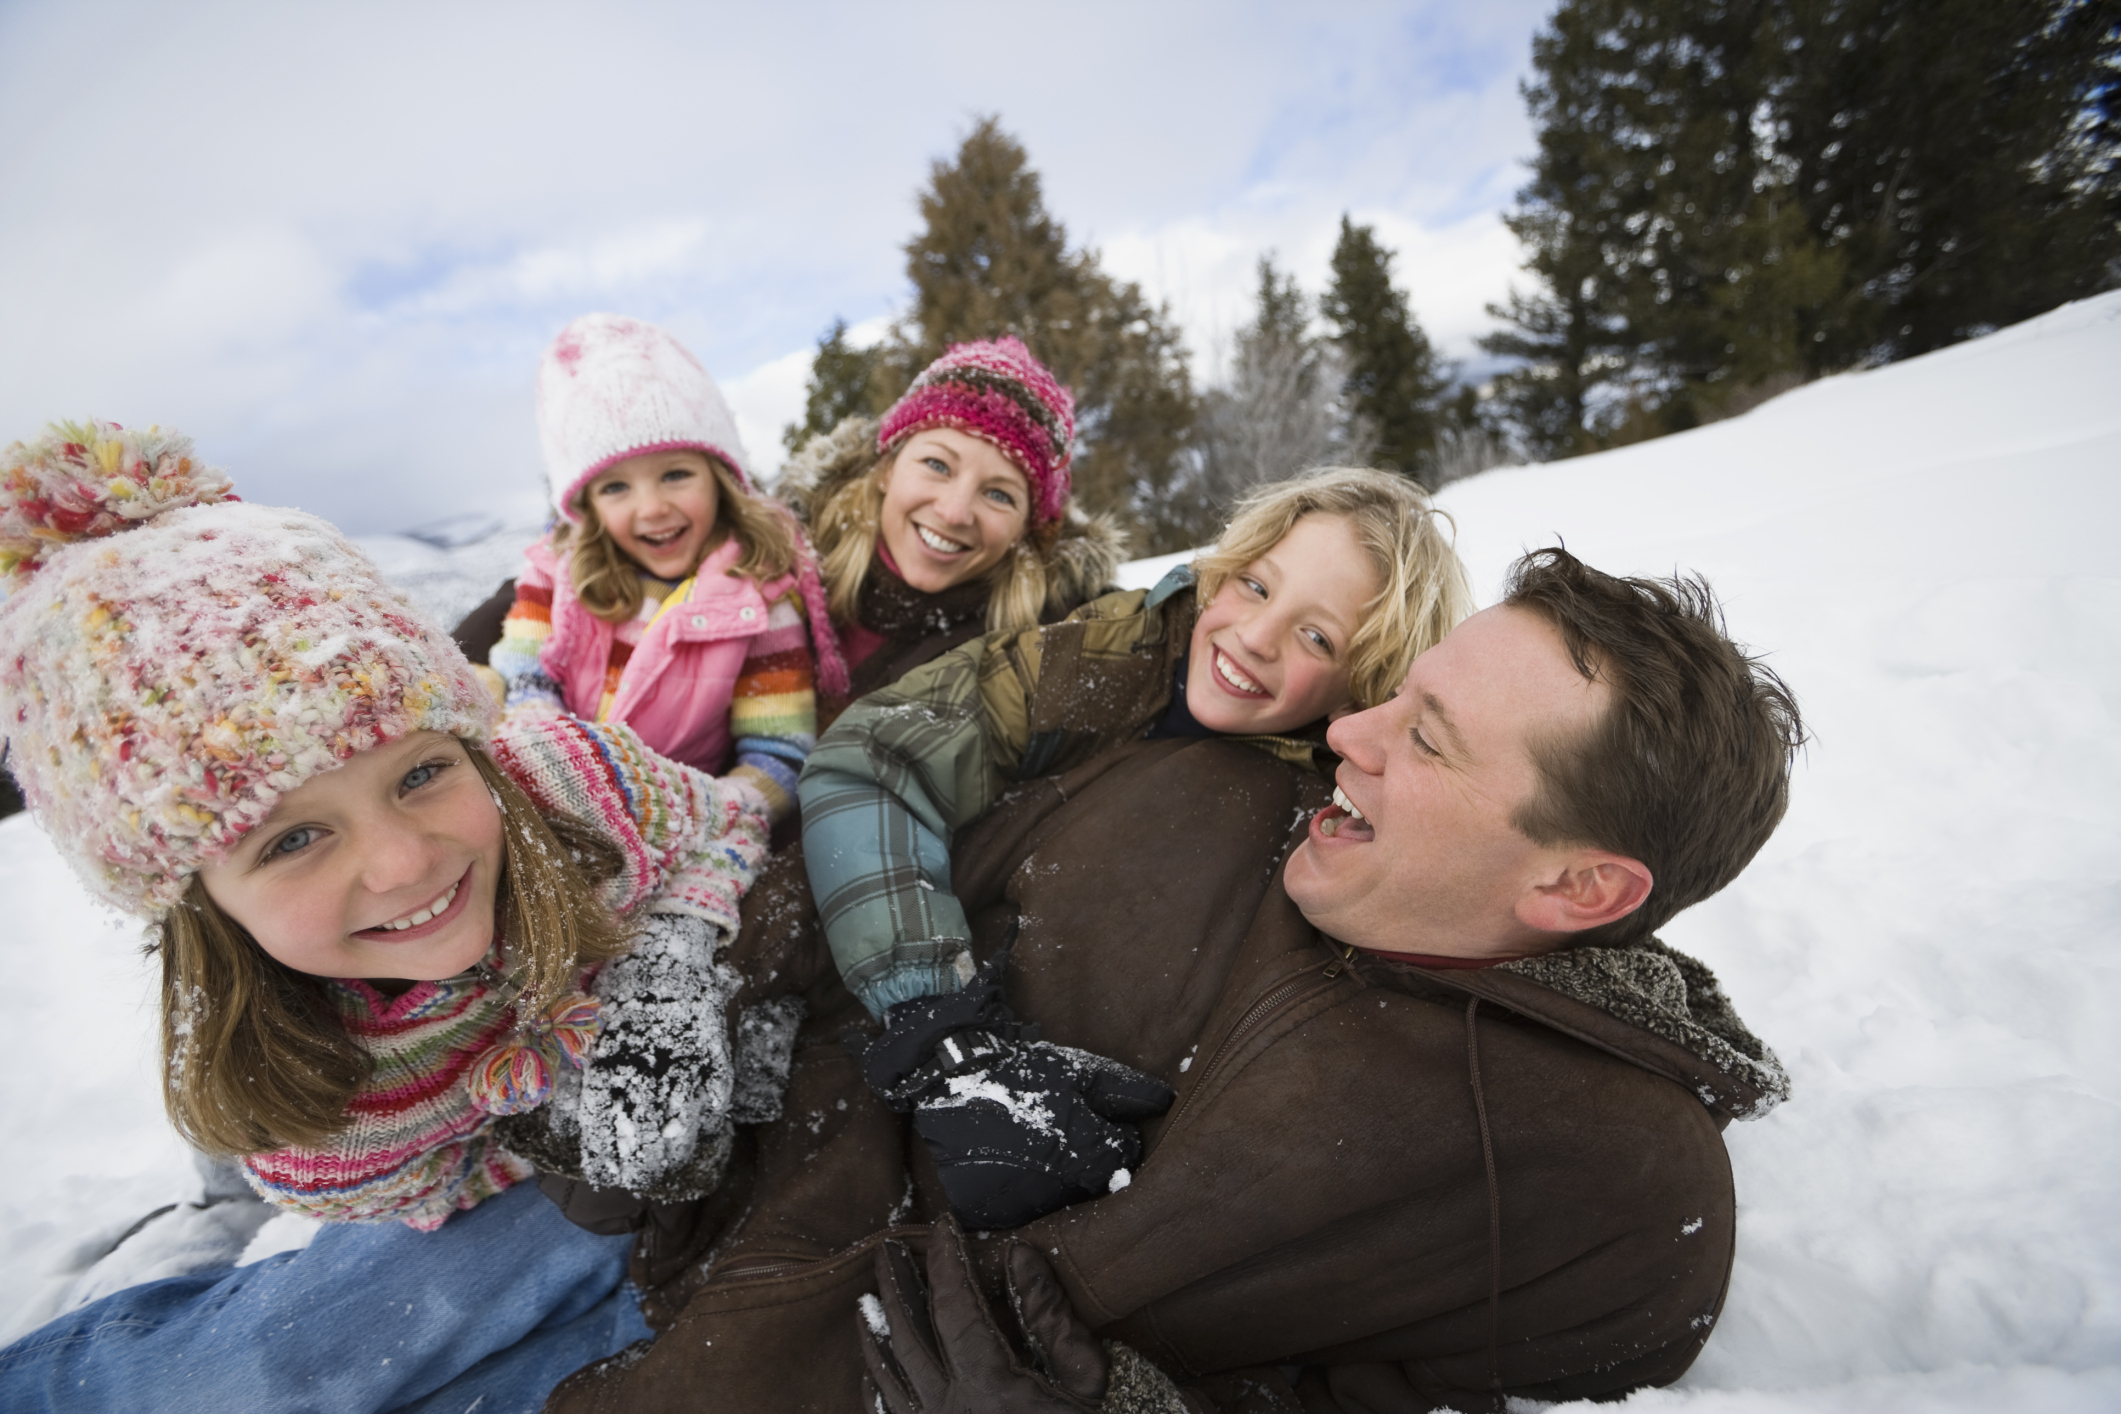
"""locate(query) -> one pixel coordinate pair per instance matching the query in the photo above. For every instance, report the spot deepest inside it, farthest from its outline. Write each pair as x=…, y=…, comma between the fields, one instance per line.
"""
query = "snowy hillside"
x=1932, y=941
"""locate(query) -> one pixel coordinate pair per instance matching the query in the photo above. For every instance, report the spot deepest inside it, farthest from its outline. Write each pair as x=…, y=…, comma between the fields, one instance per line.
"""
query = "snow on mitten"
x=658, y=1085
x=765, y=1053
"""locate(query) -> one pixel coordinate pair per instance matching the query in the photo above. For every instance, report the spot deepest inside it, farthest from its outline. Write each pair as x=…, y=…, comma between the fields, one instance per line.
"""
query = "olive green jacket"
x=889, y=785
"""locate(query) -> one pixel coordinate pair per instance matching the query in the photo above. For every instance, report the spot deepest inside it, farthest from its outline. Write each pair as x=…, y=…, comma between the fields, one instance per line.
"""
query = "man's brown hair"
x=1688, y=771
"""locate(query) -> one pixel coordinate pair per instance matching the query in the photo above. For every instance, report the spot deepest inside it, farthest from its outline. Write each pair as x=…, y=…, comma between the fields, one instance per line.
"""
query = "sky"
x=330, y=242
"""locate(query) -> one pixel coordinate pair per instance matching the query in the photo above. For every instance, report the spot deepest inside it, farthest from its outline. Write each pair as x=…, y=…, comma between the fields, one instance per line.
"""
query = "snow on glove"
x=658, y=1085
x=1018, y=1127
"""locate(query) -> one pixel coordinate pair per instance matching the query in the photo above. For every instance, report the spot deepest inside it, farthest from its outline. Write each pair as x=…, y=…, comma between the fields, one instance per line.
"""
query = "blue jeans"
x=491, y=1310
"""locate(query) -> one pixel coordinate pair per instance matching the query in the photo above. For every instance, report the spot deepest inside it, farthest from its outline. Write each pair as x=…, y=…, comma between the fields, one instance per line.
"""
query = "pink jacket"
x=678, y=684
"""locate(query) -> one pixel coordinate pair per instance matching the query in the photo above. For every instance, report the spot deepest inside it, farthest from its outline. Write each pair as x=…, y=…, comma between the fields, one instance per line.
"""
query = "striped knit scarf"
x=417, y=1145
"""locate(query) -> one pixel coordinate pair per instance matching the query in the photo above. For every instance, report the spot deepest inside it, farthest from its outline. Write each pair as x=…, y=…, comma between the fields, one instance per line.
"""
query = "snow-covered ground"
x=1933, y=940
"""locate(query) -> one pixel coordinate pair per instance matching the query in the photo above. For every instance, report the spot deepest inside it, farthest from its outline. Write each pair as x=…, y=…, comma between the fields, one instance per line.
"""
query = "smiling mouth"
x=1342, y=821
x=663, y=539
x=1234, y=677
x=425, y=920
x=937, y=543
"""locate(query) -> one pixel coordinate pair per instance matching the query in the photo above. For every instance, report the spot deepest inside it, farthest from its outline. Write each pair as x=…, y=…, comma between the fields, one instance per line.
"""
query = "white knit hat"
x=611, y=388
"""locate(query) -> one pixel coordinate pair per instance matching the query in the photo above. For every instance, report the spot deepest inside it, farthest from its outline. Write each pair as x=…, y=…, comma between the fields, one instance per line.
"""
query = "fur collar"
x=1671, y=995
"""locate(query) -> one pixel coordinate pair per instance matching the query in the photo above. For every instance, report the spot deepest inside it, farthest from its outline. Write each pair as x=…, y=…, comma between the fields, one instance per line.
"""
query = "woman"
x=950, y=516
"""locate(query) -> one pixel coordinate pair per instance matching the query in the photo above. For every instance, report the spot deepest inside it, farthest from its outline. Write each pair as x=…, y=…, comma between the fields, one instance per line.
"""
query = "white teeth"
x=426, y=914
x=936, y=542
x=1340, y=798
x=1233, y=675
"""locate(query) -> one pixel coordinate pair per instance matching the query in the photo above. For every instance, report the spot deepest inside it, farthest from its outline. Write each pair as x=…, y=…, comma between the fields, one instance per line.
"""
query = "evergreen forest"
x=1728, y=198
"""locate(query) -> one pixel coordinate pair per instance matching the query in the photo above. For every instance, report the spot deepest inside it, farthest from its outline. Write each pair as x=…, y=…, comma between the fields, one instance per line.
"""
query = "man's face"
x=1417, y=853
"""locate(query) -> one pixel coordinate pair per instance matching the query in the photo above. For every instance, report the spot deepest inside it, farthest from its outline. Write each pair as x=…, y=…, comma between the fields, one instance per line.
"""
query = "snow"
x=1925, y=552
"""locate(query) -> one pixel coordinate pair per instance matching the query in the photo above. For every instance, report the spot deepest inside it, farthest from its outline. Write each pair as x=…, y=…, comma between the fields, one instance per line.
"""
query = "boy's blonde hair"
x=607, y=580
x=1425, y=591
x=255, y=1056
x=845, y=525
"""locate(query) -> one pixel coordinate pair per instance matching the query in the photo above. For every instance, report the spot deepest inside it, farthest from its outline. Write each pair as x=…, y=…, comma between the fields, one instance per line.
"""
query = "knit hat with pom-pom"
x=610, y=388
x=173, y=662
x=996, y=391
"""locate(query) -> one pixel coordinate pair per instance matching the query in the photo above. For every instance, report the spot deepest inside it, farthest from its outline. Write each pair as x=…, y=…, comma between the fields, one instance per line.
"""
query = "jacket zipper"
x=1273, y=1000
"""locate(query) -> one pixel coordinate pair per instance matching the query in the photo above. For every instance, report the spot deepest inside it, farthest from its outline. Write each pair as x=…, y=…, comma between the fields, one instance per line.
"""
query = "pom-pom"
x=510, y=1078
x=84, y=479
x=516, y=1075
x=573, y=1023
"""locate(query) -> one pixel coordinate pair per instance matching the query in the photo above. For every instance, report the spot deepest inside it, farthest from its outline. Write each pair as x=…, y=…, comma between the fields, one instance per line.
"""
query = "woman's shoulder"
x=828, y=461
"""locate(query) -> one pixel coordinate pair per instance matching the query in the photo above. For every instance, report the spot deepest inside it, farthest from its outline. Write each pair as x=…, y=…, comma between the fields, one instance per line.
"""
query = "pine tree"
x=1394, y=379
x=1283, y=411
x=990, y=261
x=1961, y=155
x=1733, y=195
x=841, y=384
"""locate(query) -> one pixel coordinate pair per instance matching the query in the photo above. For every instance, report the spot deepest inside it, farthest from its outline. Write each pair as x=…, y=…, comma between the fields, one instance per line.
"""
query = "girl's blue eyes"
x=1317, y=640
x=672, y=476
x=303, y=836
x=293, y=842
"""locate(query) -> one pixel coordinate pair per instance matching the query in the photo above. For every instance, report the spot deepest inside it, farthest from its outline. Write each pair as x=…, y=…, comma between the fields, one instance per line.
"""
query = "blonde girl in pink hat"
x=672, y=597
x=404, y=954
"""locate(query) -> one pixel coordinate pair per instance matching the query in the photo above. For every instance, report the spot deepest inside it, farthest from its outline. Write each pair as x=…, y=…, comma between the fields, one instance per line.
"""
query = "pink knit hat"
x=173, y=662
x=998, y=392
x=610, y=388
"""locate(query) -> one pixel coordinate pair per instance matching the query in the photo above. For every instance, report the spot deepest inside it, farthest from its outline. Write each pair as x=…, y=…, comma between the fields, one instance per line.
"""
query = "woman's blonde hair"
x=254, y=1053
x=608, y=581
x=844, y=528
x=1424, y=589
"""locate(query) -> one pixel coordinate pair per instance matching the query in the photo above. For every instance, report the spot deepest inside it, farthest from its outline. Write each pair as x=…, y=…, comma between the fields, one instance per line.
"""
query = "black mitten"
x=1018, y=1127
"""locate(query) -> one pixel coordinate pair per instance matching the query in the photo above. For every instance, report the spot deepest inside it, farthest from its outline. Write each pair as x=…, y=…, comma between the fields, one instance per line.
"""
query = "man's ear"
x=1589, y=887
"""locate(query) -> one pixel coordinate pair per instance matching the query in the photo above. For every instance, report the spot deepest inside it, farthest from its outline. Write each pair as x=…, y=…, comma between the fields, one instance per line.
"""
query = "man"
x=1448, y=1117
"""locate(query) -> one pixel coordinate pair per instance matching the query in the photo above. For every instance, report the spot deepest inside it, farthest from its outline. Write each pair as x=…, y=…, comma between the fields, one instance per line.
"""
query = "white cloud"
x=331, y=242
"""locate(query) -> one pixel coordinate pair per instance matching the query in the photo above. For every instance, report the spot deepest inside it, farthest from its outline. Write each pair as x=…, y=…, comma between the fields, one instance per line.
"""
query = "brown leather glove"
x=943, y=1352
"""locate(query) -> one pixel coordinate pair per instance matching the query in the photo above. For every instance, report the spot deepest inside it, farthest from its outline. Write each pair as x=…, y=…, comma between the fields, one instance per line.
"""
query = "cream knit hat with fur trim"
x=611, y=388
x=173, y=662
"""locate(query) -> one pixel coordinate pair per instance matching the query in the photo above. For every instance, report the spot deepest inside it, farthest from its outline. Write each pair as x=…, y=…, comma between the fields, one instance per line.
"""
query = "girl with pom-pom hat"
x=383, y=925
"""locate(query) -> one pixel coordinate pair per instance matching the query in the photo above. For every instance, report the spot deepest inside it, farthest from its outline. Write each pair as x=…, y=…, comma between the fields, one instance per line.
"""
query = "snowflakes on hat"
x=178, y=679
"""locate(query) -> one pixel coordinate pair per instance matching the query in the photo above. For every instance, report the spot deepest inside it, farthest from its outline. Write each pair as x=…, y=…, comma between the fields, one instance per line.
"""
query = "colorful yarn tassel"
x=516, y=1075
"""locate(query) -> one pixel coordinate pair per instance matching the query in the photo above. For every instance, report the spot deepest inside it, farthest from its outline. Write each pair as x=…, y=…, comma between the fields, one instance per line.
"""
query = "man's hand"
x=940, y=1351
x=1018, y=1127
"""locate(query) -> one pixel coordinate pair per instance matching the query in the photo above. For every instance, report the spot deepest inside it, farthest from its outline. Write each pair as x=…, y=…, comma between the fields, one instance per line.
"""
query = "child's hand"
x=654, y=1107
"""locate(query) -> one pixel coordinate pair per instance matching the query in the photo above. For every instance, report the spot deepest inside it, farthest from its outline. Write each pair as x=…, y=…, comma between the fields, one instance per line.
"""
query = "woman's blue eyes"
x=419, y=776
x=1001, y=496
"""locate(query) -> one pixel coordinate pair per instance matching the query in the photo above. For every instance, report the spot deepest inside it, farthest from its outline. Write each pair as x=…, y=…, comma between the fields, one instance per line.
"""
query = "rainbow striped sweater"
x=416, y=1147
x=771, y=706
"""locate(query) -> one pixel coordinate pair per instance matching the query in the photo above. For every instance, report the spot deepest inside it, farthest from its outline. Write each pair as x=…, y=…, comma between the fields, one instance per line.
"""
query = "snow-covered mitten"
x=765, y=1053
x=1018, y=1127
x=655, y=1096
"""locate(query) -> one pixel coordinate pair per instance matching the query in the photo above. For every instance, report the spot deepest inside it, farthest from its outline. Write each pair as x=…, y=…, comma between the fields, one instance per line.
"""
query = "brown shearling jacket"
x=1382, y=1187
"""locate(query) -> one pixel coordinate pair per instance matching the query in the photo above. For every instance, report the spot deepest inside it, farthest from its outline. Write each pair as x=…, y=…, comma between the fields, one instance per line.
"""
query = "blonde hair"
x=845, y=525
x=608, y=581
x=254, y=1053
x=1424, y=589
